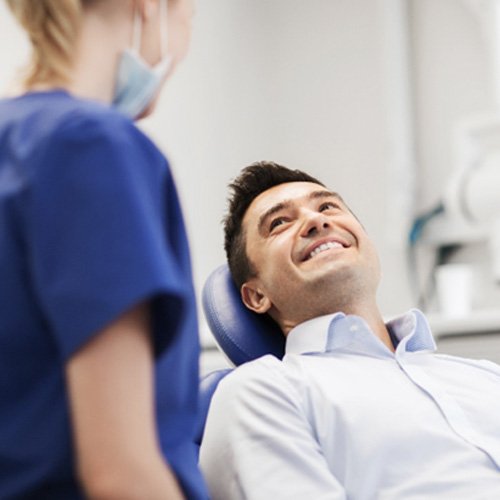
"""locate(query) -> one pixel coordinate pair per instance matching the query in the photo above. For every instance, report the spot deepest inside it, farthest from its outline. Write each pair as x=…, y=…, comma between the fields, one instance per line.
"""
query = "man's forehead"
x=290, y=192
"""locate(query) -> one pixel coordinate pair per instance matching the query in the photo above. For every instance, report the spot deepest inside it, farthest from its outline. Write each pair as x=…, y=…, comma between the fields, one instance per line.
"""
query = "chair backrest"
x=241, y=334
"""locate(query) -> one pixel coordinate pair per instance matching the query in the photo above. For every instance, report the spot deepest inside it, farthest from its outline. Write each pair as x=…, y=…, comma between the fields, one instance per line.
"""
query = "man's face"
x=309, y=251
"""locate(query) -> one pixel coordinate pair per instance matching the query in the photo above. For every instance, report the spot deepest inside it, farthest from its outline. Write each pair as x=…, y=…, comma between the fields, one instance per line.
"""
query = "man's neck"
x=376, y=323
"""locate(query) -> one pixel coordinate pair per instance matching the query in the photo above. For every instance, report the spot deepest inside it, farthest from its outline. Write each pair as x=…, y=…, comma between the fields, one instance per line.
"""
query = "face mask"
x=137, y=83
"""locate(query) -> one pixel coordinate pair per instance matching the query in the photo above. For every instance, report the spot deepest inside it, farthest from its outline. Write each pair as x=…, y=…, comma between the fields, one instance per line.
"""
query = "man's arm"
x=110, y=383
x=258, y=442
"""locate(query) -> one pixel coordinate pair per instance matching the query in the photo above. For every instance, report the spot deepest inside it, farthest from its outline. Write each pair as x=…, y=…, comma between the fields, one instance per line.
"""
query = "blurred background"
x=392, y=103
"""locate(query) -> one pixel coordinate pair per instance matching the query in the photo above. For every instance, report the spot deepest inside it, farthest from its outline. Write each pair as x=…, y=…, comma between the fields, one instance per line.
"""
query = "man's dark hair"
x=252, y=181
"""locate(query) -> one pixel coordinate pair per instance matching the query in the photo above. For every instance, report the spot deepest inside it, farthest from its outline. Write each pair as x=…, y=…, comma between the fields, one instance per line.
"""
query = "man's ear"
x=253, y=298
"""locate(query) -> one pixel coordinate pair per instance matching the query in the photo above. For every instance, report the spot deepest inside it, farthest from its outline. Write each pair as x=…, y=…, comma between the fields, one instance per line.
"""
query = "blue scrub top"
x=90, y=225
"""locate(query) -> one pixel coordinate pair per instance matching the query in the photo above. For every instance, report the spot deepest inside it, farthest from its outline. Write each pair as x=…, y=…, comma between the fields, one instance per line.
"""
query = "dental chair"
x=241, y=334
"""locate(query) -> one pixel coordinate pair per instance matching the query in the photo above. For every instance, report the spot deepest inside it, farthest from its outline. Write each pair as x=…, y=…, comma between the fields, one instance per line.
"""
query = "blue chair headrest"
x=242, y=334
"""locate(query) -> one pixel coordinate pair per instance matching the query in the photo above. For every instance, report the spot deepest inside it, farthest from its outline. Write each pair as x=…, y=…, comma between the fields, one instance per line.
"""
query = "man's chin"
x=320, y=266
x=329, y=276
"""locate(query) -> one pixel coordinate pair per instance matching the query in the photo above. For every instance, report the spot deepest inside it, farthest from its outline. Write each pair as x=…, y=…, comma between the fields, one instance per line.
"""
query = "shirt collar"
x=335, y=332
x=413, y=332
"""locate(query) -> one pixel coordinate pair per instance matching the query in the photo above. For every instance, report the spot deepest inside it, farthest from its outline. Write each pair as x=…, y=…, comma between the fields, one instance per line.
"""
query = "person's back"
x=56, y=182
x=98, y=331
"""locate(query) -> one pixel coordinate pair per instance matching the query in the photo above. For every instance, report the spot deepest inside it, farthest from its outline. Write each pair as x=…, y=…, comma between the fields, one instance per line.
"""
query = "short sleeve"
x=95, y=227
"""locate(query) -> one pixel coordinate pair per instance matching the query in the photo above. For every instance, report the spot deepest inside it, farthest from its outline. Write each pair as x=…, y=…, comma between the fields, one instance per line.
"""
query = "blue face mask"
x=137, y=83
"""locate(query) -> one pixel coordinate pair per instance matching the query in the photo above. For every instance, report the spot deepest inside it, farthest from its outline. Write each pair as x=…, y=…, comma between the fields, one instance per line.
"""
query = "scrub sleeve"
x=96, y=232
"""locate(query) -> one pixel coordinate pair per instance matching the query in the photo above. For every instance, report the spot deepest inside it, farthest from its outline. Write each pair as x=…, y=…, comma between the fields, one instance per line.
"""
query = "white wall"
x=452, y=82
x=13, y=50
x=310, y=84
x=301, y=83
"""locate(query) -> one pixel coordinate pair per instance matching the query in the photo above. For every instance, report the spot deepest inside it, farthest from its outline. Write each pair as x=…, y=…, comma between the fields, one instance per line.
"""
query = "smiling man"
x=357, y=408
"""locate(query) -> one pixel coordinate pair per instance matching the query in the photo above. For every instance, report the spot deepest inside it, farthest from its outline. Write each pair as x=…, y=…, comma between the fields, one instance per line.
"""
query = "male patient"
x=357, y=409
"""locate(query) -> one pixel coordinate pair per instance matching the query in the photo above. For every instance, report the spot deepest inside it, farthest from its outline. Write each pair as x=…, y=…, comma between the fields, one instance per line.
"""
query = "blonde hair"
x=52, y=27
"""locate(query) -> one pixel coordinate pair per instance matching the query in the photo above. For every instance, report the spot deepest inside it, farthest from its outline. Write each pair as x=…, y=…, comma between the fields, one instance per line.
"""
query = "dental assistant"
x=98, y=330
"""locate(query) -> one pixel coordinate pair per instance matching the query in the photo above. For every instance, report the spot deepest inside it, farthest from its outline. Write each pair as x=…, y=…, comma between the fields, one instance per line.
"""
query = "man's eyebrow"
x=324, y=193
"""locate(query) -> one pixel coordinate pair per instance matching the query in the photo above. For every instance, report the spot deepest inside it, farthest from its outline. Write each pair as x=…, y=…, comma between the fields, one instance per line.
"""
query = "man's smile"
x=322, y=246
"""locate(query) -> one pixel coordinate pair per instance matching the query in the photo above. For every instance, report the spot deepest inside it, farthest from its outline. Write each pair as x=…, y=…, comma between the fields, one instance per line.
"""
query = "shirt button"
x=354, y=328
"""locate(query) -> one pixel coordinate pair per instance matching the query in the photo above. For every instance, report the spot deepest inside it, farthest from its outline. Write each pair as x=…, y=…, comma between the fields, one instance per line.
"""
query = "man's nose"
x=315, y=223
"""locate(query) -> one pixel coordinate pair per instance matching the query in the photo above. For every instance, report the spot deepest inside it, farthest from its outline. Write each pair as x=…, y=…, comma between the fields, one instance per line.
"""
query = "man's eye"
x=276, y=222
x=329, y=205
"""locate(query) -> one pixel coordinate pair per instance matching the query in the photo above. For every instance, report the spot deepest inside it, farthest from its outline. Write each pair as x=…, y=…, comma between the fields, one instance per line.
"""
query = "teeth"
x=325, y=246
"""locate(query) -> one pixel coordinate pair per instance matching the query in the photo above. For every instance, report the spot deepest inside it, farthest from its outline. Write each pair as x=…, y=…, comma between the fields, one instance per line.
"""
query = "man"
x=357, y=408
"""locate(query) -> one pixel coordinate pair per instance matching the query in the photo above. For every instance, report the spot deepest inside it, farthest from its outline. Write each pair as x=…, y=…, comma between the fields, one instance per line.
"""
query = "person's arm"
x=110, y=383
x=258, y=442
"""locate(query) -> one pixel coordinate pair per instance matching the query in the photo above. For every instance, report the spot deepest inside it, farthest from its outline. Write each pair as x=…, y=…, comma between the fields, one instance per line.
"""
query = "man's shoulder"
x=257, y=369
x=481, y=364
x=266, y=374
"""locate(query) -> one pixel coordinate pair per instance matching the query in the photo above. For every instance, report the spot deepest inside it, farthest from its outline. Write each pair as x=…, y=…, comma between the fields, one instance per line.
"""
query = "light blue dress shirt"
x=343, y=417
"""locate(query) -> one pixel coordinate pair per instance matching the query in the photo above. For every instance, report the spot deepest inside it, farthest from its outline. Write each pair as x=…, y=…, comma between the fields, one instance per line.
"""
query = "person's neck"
x=371, y=314
x=96, y=59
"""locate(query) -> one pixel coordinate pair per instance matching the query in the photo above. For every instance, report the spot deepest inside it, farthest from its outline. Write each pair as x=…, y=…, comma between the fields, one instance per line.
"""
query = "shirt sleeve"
x=94, y=228
x=258, y=443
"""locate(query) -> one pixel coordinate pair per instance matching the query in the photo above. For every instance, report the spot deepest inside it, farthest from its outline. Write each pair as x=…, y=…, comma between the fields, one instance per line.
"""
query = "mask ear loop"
x=164, y=29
